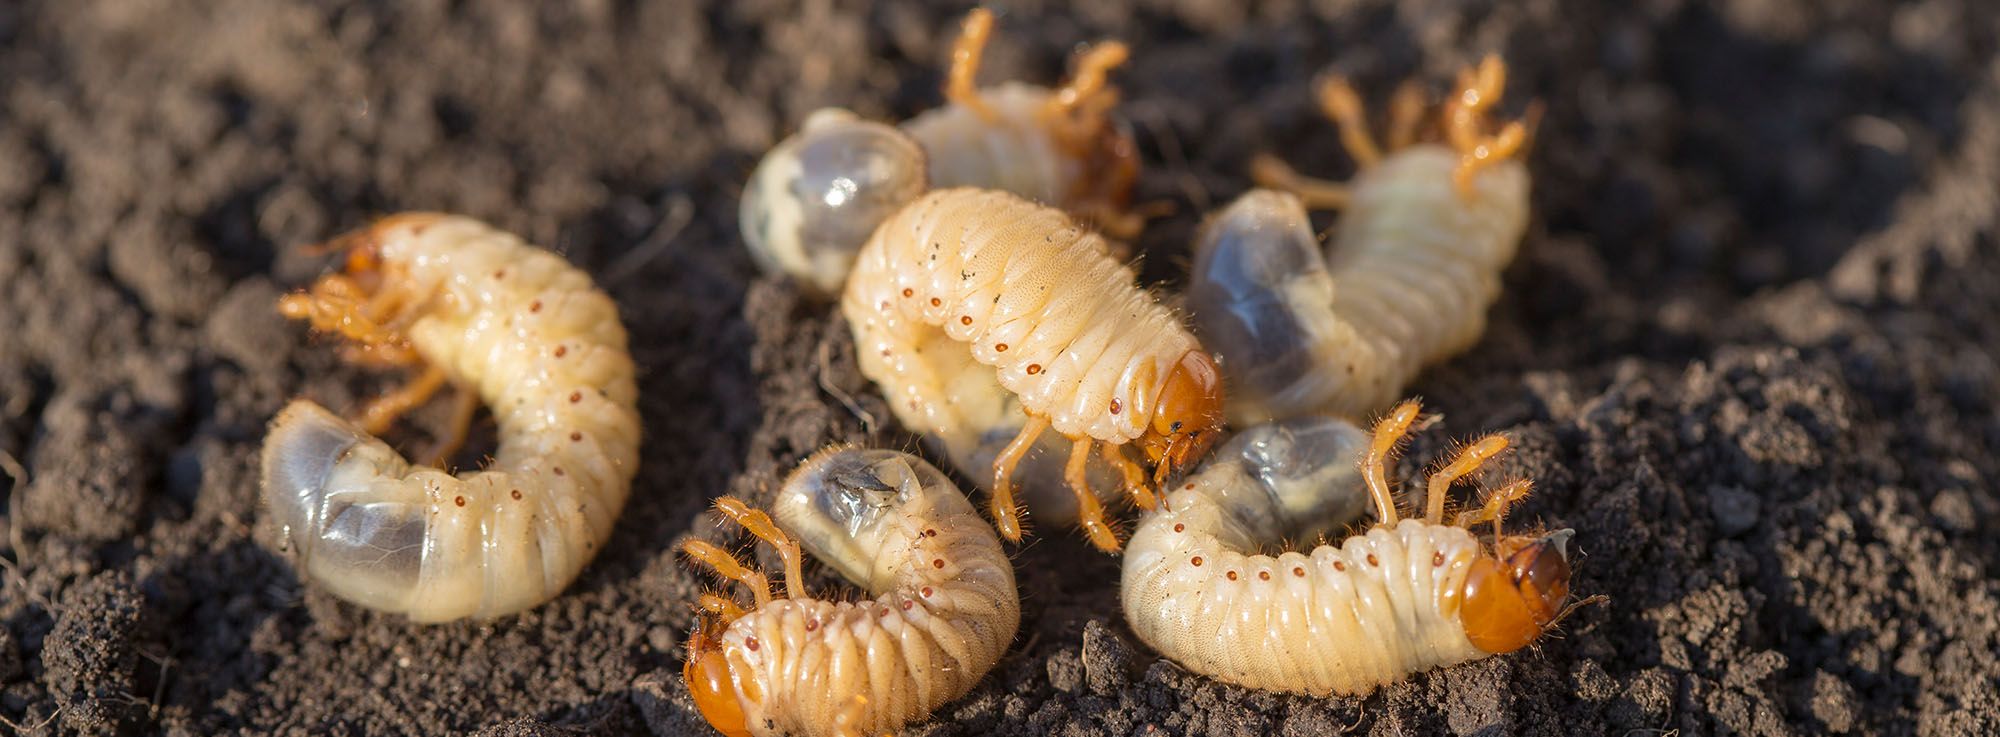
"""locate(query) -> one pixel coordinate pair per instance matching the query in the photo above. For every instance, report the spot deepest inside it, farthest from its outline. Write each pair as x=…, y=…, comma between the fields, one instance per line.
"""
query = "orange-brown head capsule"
x=1510, y=601
x=1188, y=418
x=708, y=680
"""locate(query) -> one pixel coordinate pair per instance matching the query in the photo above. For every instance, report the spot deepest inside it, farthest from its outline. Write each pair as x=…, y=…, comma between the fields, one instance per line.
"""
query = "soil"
x=1749, y=351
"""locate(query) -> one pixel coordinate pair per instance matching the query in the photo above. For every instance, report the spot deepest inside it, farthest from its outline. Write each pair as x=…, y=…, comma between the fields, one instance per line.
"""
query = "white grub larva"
x=507, y=323
x=963, y=279
x=816, y=196
x=1424, y=234
x=943, y=607
x=1403, y=597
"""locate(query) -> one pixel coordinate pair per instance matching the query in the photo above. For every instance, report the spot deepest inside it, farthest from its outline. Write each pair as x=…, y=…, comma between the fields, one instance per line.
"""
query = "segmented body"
x=1024, y=291
x=1328, y=621
x=1399, y=598
x=546, y=352
x=943, y=606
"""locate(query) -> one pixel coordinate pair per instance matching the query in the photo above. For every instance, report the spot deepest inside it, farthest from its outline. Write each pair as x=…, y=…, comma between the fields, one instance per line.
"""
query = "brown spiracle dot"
x=937, y=563
x=751, y=642
x=908, y=292
x=1034, y=368
x=575, y=397
x=1178, y=527
x=458, y=500
x=576, y=437
x=1373, y=561
x=559, y=470
x=1232, y=575
x=501, y=274
x=1339, y=566
x=516, y=494
x=881, y=612
x=907, y=603
x=965, y=319
x=812, y=624
x=1000, y=347
x=1116, y=405
x=1196, y=561
x=562, y=350
x=1437, y=559
x=935, y=302
x=930, y=532
x=535, y=306
x=1299, y=571
x=1263, y=575
x=927, y=592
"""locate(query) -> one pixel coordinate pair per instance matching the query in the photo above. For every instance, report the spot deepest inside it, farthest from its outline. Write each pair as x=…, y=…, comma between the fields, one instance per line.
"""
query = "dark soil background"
x=1748, y=351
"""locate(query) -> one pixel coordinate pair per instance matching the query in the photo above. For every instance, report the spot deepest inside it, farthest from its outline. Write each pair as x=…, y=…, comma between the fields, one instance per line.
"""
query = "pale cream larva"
x=816, y=196
x=1424, y=233
x=1402, y=597
x=963, y=279
x=942, y=606
x=507, y=323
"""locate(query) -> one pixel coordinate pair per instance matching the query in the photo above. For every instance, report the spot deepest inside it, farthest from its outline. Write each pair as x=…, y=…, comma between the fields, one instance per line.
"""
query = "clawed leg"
x=339, y=304
x=961, y=86
x=1316, y=194
x=1496, y=507
x=1406, y=112
x=465, y=404
x=1076, y=111
x=1381, y=447
x=1007, y=516
x=1089, y=511
x=1134, y=475
x=1340, y=102
x=719, y=606
x=726, y=566
x=1469, y=459
x=1119, y=225
x=382, y=412
x=759, y=524
x=1479, y=89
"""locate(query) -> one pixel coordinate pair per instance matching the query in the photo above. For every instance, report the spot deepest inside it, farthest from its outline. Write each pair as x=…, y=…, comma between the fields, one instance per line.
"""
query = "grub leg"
x=1469, y=459
x=1134, y=475
x=961, y=85
x=1382, y=447
x=465, y=403
x=726, y=566
x=1340, y=102
x=1089, y=511
x=759, y=524
x=1316, y=194
x=382, y=412
x=1007, y=516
